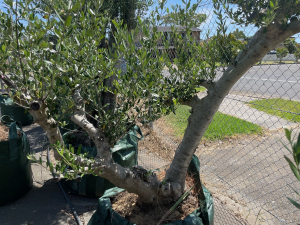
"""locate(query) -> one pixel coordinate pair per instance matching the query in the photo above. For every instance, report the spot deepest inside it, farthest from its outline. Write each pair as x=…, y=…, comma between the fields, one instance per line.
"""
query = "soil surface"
x=4, y=132
x=128, y=206
x=77, y=138
x=155, y=143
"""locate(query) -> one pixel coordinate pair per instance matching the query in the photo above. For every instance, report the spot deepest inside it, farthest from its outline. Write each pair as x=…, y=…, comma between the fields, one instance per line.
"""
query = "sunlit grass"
x=222, y=125
x=286, y=109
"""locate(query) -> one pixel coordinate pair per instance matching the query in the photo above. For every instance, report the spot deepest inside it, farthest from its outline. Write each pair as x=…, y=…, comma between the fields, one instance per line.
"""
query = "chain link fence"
x=242, y=155
x=242, y=163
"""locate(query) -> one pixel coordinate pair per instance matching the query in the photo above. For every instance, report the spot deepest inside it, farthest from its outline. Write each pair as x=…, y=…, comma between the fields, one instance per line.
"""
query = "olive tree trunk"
x=203, y=110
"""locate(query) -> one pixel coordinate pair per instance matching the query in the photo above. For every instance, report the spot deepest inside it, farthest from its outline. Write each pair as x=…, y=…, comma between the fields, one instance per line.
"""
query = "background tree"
x=182, y=16
x=227, y=47
x=281, y=53
x=290, y=44
x=72, y=75
x=176, y=20
x=239, y=34
x=297, y=53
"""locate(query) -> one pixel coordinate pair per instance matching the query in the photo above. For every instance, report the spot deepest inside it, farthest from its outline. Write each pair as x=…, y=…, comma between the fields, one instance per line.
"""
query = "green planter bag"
x=124, y=153
x=2, y=97
x=15, y=168
x=16, y=112
x=105, y=215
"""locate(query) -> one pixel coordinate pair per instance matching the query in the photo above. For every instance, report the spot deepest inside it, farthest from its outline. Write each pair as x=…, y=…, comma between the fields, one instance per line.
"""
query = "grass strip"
x=221, y=127
x=286, y=109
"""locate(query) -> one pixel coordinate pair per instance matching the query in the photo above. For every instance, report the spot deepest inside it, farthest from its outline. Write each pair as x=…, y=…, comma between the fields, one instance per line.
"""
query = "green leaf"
x=288, y=134
x=68, y=21
x=59, y=16
x=188, y=5
x=293, y=168
x=294, y=203
x=115, y=23
x=26, y=53
x=285, y=146
x=61, y=69
x=92, y=12
x=78, y=43
x=79, y=149
x=69, y=32
x=76, y=6
x=293, y=189
x=70, y=4
x=51, y=167
x=3, y=47
x=271, y=4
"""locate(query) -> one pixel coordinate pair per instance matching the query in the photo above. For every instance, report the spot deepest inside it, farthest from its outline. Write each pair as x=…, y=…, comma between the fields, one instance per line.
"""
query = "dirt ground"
x=129, y=207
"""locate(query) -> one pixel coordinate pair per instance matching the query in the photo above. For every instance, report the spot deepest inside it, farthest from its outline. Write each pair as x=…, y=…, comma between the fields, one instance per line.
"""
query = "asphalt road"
x=273, y=57
x=276, y=81
x=271, y=81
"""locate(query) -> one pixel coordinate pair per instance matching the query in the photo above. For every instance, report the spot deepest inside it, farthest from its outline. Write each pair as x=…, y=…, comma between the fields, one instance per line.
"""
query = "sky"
x=206, y=7
x=209, y=26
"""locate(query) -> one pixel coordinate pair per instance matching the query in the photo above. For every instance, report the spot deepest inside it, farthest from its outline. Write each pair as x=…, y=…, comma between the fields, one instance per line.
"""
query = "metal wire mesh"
x=247, y=173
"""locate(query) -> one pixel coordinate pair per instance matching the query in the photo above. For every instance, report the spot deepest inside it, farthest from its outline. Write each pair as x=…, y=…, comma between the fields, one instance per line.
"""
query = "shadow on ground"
x=40, y=206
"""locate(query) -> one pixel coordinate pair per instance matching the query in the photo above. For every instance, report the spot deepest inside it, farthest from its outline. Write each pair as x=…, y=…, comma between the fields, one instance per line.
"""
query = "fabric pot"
x=105, y=215
x=16, y=112
x=15, y=168
x=124, y=153
x=2, y=97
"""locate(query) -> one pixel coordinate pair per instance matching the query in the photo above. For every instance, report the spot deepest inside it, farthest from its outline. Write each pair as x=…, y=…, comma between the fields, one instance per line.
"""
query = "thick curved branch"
x=206, y=84
x=204, y=110
x=8, y=82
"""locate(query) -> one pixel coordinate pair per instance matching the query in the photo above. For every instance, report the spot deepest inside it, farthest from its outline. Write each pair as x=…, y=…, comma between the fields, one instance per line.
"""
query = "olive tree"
x=58, y=80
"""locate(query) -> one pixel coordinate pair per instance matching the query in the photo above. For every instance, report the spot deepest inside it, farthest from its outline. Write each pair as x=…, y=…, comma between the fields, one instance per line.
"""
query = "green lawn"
x=285, y=109
x=222, y=125
x=273, y=62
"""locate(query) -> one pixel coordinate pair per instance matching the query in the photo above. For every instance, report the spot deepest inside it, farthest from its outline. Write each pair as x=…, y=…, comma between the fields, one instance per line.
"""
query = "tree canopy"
x=176, y=19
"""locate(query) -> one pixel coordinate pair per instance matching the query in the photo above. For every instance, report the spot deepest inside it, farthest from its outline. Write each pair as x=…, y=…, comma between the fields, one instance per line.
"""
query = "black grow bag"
x=15, y=168
x=124, y=153
x=16, y=112
x=105, y=215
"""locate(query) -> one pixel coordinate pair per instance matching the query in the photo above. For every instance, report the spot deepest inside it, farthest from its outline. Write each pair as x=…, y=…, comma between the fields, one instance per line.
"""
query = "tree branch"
x=206, y=84
x=191, y=102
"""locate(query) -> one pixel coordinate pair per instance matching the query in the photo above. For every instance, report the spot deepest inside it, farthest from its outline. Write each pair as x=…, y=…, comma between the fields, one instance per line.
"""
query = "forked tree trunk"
x=203, y=110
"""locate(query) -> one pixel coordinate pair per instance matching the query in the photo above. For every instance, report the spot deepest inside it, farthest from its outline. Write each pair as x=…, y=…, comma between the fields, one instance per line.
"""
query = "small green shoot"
x=296, y=158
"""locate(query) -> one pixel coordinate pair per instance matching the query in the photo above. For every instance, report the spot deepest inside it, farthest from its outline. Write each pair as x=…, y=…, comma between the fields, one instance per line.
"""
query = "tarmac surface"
x=268, y=81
